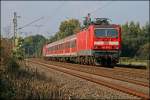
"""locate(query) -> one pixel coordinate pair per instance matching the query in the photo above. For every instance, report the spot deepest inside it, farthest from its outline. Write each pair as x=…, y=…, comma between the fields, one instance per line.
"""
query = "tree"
x=69, y=27
x=135, y=39
x=33, y=45
x=143, y=52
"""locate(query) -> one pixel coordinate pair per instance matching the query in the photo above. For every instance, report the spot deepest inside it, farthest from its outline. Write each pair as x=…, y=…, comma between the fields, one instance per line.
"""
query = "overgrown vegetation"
x=33, y=45
x=135, y=40
x=17, y=81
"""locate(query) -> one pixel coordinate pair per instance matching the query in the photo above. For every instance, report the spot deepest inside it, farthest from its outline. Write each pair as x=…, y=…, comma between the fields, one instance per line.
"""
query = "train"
x=97, y=44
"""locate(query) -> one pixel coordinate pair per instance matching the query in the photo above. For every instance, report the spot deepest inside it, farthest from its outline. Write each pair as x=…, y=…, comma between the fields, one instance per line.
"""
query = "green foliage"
x=6, y=91
x=18, y=52
x=144, y=51
x=33, y=45
x=135, y=40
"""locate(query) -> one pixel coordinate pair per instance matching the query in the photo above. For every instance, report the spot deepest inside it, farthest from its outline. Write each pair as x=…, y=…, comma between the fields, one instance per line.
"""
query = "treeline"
x=135, y=40
x=33, y=45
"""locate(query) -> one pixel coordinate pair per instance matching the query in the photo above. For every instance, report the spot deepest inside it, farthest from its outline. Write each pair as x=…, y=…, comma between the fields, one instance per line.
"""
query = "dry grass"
x=133, y=61
x=28, y=84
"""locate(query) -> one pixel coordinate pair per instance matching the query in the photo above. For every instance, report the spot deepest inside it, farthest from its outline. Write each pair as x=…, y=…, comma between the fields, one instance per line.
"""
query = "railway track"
x=99, y=79
x=126, y=71
x=101, y=71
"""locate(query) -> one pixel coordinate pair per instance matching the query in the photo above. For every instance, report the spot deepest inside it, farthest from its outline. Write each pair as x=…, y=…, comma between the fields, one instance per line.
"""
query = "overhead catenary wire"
x=31, y=23
x=99, y=8
x=57, y=10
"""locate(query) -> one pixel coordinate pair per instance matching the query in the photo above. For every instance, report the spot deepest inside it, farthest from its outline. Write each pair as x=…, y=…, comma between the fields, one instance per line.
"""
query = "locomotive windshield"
x=106, y=33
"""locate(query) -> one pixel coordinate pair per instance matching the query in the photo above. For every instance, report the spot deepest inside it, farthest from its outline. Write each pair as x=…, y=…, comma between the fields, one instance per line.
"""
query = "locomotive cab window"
x=106, y=33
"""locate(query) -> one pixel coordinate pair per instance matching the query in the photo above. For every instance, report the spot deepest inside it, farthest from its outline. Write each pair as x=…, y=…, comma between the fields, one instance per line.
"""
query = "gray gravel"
x=79, y=88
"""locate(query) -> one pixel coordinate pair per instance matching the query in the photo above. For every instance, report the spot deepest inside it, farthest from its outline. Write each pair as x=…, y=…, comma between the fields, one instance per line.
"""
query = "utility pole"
x=15, y=29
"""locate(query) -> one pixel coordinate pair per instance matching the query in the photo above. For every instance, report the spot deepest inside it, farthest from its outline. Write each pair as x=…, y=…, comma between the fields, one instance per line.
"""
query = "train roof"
x=106, y=26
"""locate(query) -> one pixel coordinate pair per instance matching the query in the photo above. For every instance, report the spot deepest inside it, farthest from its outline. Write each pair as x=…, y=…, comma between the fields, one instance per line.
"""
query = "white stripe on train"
x=106, y=43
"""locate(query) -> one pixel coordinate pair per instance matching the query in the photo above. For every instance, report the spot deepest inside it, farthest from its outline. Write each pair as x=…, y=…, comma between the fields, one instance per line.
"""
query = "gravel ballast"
x=79, y=88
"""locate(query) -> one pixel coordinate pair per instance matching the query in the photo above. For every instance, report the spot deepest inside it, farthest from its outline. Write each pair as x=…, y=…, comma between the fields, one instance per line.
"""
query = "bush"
x=12, y=65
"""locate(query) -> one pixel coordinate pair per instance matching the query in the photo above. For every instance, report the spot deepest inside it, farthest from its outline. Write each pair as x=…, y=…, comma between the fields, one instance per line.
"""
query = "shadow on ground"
x=131, y=66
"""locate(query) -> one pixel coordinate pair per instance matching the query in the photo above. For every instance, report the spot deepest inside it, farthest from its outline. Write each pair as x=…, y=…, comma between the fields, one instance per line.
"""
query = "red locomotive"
x=99, y=43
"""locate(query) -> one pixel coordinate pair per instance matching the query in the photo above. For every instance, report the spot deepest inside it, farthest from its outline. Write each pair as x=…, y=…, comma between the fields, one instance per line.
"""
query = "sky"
x=54, y=12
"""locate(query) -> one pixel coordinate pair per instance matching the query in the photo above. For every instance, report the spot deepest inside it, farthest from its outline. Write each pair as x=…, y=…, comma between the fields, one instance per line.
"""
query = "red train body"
x=97, y=44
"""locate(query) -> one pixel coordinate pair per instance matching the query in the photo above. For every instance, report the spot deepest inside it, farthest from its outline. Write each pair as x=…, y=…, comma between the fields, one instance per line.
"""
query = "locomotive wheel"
x=80, y=60
x=90, y=61
x=93, y=61
x=84, y=61
x=87, y=60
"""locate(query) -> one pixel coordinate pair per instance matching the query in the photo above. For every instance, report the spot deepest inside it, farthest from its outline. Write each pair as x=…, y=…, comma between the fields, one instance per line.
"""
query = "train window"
x=106, y=33
x=100, y=32
x=112, y=33
x=67, y=44
x=63, y=46
x=73, y=43
x=55, y=47
x=59, y=47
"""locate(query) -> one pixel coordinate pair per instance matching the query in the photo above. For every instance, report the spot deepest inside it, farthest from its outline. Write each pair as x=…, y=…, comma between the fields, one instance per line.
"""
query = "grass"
x=24, y=83
x=133, y=61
